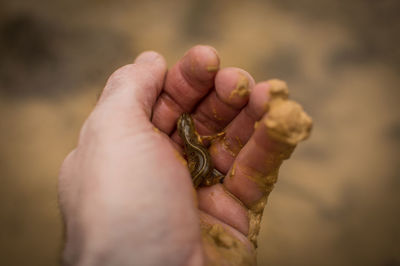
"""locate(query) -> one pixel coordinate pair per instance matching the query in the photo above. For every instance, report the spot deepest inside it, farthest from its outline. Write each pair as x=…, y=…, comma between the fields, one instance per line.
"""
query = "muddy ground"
x=337, y=199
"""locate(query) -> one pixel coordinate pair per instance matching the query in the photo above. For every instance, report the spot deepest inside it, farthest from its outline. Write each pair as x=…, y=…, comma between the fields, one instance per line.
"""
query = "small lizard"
x=199, y=160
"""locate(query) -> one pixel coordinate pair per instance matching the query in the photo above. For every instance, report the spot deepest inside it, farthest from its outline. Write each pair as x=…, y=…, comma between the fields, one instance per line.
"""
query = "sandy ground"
x=336, y=201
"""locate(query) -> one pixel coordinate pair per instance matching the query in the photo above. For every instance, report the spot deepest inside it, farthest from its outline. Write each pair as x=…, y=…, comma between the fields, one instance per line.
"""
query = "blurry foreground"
x=337, y=199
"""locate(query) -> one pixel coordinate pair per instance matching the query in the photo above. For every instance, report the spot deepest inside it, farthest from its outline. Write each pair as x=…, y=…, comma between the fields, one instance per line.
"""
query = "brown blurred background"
x=337, y=200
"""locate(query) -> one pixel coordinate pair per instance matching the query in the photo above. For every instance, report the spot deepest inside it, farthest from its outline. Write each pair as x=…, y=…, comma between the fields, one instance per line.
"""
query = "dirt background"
x=337, y=201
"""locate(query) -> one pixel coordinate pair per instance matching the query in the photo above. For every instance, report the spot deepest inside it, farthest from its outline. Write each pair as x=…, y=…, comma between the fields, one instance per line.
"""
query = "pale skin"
x=126, y=194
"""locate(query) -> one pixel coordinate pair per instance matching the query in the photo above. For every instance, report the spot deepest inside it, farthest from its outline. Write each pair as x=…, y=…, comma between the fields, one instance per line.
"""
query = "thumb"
x=135, y=87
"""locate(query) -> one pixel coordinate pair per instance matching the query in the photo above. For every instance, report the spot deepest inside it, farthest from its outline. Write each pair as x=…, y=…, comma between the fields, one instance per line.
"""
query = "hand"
x=125, y=191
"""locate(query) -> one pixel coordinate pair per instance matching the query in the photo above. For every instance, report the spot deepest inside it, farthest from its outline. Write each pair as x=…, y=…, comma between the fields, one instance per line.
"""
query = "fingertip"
x=200, y=64
x=206, y=51
x=233, y=86
x=259, y=98
x=186, y=83
x=137, y=84
x=150, y=57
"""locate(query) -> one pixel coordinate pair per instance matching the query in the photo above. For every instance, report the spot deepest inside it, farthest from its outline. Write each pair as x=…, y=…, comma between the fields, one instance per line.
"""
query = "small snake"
x=199, y=160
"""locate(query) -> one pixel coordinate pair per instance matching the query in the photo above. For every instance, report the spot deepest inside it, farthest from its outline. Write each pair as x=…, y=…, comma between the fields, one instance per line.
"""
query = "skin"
x=126, y=196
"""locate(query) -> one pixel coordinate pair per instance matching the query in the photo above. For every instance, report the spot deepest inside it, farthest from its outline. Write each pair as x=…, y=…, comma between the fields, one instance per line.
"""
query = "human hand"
x=126, y=192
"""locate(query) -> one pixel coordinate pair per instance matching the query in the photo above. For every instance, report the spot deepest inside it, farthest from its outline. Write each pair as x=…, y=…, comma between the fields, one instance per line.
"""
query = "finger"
x=135, y=86
x=209, y=220
x=253, y=172
x=221, y=204
x=185, y=85
x=255, y=169
x=232, y=89
x=237, y=133
x=217, y=200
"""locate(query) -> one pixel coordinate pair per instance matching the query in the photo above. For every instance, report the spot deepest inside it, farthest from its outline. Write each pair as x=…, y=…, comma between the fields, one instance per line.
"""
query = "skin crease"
x=127, y=198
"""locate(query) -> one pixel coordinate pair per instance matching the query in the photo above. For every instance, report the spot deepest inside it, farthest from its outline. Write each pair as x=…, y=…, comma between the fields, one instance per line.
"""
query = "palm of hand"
x=125, y=187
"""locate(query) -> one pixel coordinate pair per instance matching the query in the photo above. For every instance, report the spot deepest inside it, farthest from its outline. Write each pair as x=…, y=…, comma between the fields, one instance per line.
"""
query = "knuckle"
x=66, y=165
x=91, y=128
x=98, y=127
x=122, y=72
x=117, y=79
